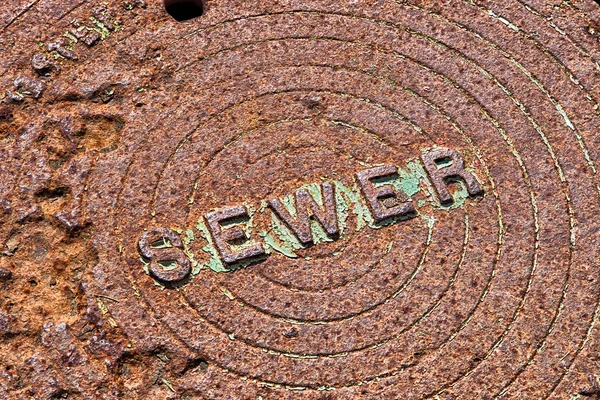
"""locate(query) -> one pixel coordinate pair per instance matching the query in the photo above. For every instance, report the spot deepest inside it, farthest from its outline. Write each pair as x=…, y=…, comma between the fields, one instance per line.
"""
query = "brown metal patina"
x=169, y=173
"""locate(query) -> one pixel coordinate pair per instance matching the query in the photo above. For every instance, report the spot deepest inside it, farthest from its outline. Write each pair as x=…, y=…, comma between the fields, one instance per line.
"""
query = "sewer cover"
x=299, y=199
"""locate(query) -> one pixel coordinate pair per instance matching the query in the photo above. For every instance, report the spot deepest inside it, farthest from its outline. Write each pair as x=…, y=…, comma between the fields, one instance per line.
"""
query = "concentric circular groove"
x=492, y=297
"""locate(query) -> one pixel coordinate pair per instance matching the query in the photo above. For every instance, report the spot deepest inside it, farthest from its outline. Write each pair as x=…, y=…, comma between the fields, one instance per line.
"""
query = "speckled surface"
x=116, y=120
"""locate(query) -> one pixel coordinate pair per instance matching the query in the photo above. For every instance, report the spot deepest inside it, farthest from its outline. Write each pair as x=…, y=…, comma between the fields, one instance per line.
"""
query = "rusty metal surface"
x=299, y=199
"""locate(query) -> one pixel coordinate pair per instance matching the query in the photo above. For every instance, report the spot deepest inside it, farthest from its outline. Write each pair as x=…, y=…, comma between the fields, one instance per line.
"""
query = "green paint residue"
x=389, y=246
x=288, y=242
x=363, y=216
x=460, y=196
x=214, y=263
x=430, y=220
x=187, y=240
x=145, y=265
x=411, y=178
x=314, y=189
x=263, y=206
x=444, y=163
x=168, y=265
x=318, y=233
x=100, y=28
x=278, y=238
x=273, y=245
x=285, y=242
x=351, y=198
x=71, y=38
x=162, y=243
x=189, y=236
x=289, y=202
x=342, y=209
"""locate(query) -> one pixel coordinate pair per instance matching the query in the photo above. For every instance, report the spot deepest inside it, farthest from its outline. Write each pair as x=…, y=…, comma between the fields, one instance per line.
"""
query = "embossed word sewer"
x=313, y=214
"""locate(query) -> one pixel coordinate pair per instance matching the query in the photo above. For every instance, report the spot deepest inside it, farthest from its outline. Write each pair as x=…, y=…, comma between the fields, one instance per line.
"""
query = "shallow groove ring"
x=481, y=283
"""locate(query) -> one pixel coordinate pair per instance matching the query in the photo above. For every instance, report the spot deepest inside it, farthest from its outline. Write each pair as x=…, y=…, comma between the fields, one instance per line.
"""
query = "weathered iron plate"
x=300, y=200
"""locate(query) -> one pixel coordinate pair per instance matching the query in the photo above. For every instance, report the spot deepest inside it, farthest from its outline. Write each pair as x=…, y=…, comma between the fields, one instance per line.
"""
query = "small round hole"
x=183, y=10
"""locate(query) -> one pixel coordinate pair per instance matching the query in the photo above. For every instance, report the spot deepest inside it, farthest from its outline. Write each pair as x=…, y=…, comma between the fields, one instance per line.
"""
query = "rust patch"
x=299, y=200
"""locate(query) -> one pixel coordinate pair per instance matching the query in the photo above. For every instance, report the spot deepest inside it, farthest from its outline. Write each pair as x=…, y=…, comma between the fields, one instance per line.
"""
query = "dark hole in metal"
x=184, y=10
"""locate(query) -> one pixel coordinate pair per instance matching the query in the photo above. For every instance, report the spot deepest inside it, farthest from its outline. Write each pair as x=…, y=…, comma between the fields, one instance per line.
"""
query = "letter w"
x=307, y=208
